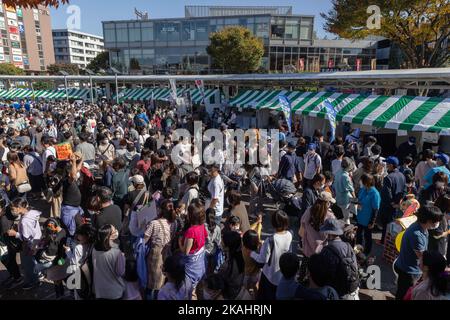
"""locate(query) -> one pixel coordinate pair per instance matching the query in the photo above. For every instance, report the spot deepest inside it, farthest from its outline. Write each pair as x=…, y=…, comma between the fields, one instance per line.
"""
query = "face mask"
x=440, y=185
x=435, y=226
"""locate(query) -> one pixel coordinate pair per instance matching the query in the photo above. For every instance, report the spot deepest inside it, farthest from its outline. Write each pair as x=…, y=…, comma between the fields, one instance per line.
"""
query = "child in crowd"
x=251, y=242
x=214, y=253
x=178, y=286
x=132, y=290
x=213, y=287
x=289, y=266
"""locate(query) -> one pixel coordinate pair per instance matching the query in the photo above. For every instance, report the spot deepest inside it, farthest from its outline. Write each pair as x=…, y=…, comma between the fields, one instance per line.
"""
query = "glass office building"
x=178, y=45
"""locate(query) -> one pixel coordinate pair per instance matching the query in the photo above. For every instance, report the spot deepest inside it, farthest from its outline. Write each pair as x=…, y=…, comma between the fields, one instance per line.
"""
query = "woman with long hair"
x=311, y=222
x=192, y=244
x=18, y=175
x=158, y=237
x=109, y=265
x=435, y=280
x=233, y=268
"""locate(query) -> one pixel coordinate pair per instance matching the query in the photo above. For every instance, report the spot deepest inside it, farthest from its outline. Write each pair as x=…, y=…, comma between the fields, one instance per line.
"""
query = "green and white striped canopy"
x=391, y=112
x=162, y=94
x=73, y=93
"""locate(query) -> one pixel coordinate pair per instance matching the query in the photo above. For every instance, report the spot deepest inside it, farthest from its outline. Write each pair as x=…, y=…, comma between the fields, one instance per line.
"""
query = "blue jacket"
x=369, y=201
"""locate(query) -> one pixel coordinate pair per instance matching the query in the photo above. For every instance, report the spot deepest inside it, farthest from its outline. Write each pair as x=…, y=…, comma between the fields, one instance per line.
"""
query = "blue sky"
x=93, y=12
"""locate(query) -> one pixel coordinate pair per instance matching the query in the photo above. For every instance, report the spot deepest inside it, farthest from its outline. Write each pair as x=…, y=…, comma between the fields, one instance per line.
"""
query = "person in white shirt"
x=313, y=163
x=216, y=190
x=49, y=151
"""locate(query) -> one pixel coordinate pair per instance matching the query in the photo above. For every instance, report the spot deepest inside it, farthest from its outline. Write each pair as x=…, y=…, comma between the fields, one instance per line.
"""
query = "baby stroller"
x=284, y=193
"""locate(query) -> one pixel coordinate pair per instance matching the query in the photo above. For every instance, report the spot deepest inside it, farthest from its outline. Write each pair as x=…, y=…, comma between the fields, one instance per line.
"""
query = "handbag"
x=24, y=187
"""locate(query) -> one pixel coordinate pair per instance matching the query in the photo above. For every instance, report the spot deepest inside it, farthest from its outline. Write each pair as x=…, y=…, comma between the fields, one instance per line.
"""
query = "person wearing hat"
x=442, y=161
x=394, y=188
x=337, y=256
x=290, y=165
x=344, y=189
x=407, y=148
x=313, y=164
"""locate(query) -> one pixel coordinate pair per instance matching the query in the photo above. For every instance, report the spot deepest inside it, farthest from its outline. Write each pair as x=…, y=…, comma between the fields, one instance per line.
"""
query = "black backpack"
x=346, y=279
x=202, y=195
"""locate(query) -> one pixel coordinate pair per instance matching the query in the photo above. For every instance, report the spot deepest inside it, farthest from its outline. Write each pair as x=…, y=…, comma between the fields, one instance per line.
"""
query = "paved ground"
x=46, y=291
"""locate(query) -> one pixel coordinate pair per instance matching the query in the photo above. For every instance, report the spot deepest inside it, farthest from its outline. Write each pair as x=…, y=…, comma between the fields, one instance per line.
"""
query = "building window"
x=173, y=31
x=202, y=30
x=134, y=32
x=110, y=35
x=147, y=31
x=291, y=32
x=160, y=31
x=188, y=31
x=122, y=32
x=278, y=28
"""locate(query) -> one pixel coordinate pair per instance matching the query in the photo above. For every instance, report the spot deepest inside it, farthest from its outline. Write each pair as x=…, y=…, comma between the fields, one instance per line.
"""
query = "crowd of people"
x=123, y=221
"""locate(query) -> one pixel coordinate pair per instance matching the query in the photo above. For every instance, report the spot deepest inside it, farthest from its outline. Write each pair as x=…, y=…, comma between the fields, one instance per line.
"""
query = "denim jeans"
x=39, y=267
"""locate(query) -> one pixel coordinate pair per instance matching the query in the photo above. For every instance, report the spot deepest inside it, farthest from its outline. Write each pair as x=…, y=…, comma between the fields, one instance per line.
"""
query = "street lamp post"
x=117, y=89
x=67, y=89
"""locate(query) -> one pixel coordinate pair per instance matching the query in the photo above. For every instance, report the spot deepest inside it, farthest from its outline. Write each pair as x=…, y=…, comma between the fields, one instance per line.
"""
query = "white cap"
x=137, y=179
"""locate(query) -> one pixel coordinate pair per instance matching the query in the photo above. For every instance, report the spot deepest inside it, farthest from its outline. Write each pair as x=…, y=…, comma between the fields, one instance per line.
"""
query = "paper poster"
x=64, y=151
x=430, y=137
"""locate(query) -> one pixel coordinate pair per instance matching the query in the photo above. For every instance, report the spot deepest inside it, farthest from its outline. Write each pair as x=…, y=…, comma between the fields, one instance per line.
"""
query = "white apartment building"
x=72, y=46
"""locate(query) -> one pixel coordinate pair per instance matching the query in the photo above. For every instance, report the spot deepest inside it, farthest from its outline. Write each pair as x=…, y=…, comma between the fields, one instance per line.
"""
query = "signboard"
x=26, y=61
x=21, y=28
x=17, y=58
x=19, y=12
x=63, y=151
x=15, y=44
x=14, y=30
x=14, y=37
x=430, y=137
x=11, y=15
x=18, y=65
x=2, y=57
x=12, y=22
x=1, y=50
x=17, y=51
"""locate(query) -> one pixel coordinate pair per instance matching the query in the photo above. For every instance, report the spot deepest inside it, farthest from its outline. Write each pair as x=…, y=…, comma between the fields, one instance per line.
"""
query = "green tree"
x=101, y=61
x=70, y=68
x=10, y=69
x=236, y=50
x=420, y=28
x=42, y=85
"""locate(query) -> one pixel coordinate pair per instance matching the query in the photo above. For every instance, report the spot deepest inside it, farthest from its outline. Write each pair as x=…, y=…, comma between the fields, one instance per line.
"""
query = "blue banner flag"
x=287, y=109
x=331, y=114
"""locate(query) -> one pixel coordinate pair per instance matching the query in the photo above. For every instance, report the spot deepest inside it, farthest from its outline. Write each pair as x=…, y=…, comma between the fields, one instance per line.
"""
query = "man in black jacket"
x=340, y=261
x=394, y=187
x=407, y=148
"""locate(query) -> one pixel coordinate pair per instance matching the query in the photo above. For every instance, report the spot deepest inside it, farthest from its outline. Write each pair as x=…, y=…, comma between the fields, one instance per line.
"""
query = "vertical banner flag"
x=173, y=86
x=331, y=113
x=287, y=109
x=201, y=86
